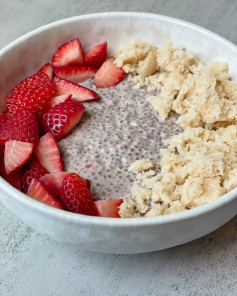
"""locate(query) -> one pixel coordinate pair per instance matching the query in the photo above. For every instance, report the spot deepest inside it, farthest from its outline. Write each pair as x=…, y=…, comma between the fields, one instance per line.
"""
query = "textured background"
x=31, y=264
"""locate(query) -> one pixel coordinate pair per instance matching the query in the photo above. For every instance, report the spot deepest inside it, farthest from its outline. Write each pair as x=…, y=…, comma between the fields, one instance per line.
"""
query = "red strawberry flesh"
x=38, y=192
x=62, y=118
x=31, y=94
x=15, y=178
x=76, y=197
x=58, y=99
x=75, y=74
x=78, y=92
x=108, y=208
x=48, y=154
x=96, y=56
x=3, y=117
x=53, y=182
x=88, y=183
x=16, y=154
x=21, y=126
x=108, y=75
x=32, y=170
x=69, y=54
x=47, y=69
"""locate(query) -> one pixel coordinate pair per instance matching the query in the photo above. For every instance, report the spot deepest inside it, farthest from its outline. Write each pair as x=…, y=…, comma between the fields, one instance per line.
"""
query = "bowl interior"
x=27, y=54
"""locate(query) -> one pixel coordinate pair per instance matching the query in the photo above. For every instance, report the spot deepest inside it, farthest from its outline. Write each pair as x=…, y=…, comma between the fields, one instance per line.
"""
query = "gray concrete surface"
x=32, y=264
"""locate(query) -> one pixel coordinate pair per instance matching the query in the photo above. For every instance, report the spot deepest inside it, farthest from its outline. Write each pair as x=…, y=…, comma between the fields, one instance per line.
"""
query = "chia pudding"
x=114, y=131
x=194, y=166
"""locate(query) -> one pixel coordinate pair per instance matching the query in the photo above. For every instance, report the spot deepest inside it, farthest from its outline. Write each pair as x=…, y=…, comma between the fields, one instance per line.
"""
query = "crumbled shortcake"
x=198, y=165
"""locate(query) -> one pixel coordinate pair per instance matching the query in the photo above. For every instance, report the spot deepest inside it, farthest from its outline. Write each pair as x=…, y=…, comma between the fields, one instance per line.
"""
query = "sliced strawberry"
x=15, y=178
x=47, y=69
x=54, y=182
x=32, y=170
x=69, y=54
x=62, y=118
x=108, y=208
x=96, y=56
x=108, y=75
x=2, y=118
x=39, y=192
x=76, y=197
x=78, y=92
x=75, y=74
x=88, y=183
x=21, y=126
x=16, y=154
x=48, y=154
x=38, y=79
x=58, y=99
x=31, y=94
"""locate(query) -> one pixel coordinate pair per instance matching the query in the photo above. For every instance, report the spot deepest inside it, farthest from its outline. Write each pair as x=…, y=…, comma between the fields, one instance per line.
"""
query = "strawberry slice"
x=2, y=118
x=108, y=208
x=31, y=94
x=47, y=69
x=62, y=118
x=15, y=178
x=108, y=75
x=16, y=154
x=58, y=99
x=54, y=182
x=76, y=197
x=69, y=54
x=21, y=126
x=88, y=183
x=75, y=74
x=39, y=79
x=96, y=56
x=39, y=192
x=48, y=154
x=32, y=170
x=78, y=92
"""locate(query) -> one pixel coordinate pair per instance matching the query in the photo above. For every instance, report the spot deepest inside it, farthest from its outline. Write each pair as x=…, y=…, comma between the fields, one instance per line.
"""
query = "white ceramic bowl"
x=28, y=53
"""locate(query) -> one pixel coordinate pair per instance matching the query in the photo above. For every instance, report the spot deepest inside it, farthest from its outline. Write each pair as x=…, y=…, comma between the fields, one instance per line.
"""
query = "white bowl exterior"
x=111, y=236
x=27, y=54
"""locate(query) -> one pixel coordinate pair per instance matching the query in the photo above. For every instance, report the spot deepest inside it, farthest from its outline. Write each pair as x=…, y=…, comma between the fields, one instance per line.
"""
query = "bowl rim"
x=104, y=221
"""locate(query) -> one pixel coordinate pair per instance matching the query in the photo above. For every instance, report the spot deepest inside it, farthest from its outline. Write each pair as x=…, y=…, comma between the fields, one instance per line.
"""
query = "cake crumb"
x=198, y=165
x=141, y=165
x=201, y=95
